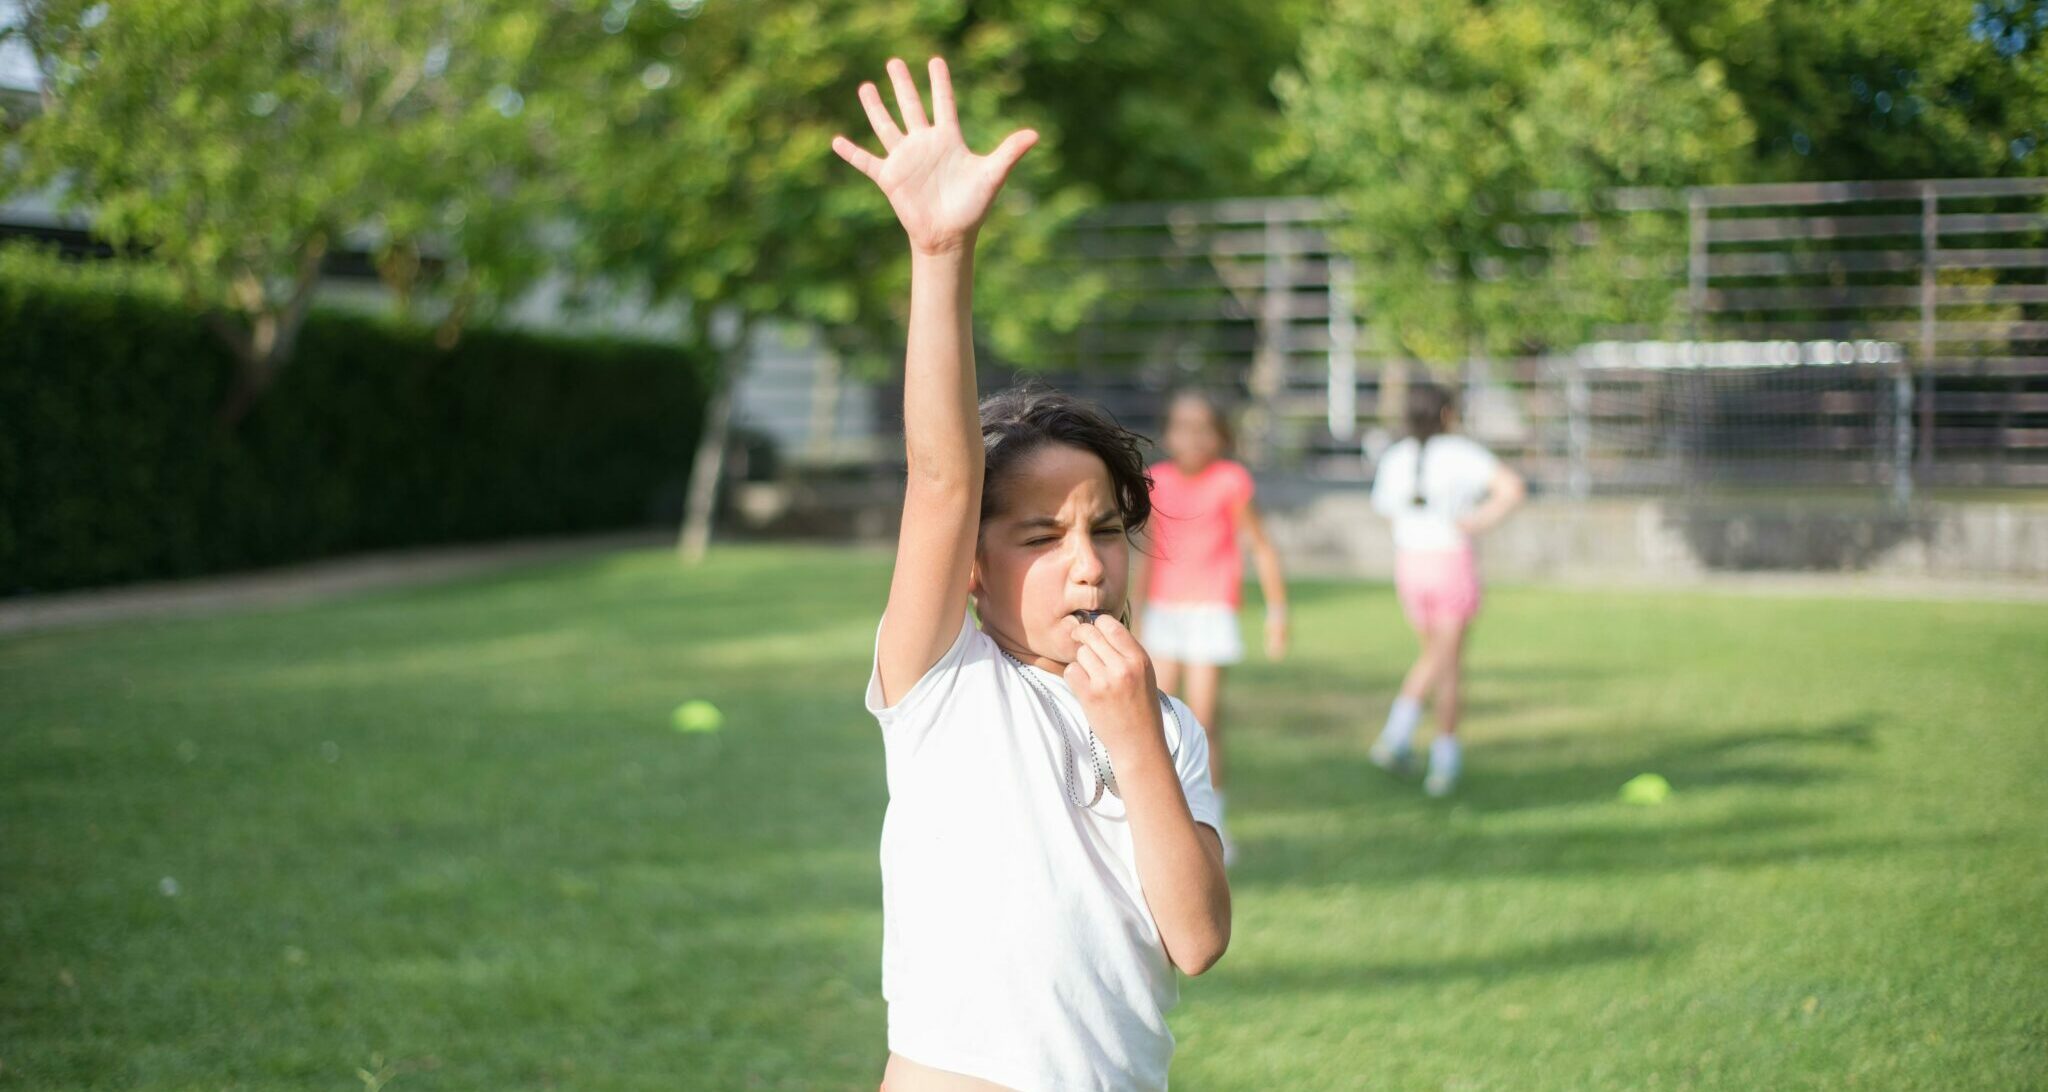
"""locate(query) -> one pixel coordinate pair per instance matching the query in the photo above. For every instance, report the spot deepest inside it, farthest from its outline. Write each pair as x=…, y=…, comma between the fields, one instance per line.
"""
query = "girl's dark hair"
x=1426, y=405
x=1217, y=418
x=1019, y=421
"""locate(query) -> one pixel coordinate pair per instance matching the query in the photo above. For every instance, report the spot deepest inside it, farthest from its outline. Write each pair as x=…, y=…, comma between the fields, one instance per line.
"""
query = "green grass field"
x=447, y=837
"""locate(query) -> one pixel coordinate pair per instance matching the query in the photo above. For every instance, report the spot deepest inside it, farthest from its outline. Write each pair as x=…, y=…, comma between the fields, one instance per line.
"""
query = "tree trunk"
x=706, y=470
x=252, y=378
x=729, y=335
x=251, y=348
x=272, y=334
x=448, y=333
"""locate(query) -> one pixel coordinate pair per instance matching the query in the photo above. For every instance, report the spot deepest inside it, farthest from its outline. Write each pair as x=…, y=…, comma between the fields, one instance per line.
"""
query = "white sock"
x=1443, y=756
x=1402, y=720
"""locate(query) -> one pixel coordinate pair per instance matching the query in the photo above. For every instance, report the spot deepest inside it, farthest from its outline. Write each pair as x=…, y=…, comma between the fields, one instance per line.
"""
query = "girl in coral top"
x=1192, y=567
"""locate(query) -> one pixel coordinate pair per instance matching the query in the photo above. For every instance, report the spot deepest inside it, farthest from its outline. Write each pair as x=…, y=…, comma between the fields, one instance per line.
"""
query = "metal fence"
x=1885, y=336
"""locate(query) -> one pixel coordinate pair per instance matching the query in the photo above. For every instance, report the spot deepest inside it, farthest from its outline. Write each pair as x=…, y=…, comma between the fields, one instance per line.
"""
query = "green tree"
x=676, y=145
x=707, y=177
x=1434, y=123
x=1850, y=89
x=1153, y=100
x=239, y=143
x=677, y=149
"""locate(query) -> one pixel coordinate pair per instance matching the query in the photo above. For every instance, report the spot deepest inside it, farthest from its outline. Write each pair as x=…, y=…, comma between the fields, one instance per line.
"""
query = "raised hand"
x=940, y=190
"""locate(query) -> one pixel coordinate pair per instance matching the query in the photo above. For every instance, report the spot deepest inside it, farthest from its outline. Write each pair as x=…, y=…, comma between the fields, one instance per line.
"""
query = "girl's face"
x=1055, y=546
x=1192, y=439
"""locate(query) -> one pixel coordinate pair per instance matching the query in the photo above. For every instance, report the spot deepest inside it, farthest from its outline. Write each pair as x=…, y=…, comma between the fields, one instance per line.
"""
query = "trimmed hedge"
x=113, y=469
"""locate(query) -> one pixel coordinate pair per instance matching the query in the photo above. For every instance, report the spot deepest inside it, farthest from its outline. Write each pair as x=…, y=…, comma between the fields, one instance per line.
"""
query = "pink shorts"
x=1437, y=587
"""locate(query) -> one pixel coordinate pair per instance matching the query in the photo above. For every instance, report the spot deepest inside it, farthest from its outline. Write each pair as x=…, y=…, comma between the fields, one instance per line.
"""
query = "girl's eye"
x=1042, y=541
x=1100, y=531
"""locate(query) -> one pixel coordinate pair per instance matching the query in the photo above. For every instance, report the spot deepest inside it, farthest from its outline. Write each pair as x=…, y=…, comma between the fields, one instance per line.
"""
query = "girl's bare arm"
x=1504, y=494
x=1266, y=560
x=941, y=192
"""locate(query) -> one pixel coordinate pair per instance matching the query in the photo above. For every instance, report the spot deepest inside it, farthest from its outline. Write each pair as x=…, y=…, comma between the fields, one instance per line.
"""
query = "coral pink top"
x=1195, y=557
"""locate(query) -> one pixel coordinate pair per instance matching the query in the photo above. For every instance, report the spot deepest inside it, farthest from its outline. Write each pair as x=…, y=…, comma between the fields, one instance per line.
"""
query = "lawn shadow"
x=1516, y=774
x=1390, y=833
x=1397, y=853
x=1300, y=697
x=1547, y=957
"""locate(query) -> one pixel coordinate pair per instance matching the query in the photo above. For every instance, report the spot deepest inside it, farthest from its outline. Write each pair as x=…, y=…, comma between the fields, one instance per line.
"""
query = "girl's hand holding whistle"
x=1112, y=677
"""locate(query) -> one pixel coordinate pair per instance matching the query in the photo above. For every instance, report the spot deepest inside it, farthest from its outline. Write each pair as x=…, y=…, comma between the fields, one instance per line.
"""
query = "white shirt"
x=1016, y=943
x=1456, y=475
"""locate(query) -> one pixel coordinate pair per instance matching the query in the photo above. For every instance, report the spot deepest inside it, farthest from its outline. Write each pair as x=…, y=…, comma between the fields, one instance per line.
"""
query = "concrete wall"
x=1333, y=529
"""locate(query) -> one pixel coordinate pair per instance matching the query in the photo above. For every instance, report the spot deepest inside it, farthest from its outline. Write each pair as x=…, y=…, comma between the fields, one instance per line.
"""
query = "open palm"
x=940, y=190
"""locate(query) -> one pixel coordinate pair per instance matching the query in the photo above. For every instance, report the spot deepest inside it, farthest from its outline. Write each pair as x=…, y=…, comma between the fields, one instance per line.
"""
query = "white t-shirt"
x=1016, y=943
x=1456, y=475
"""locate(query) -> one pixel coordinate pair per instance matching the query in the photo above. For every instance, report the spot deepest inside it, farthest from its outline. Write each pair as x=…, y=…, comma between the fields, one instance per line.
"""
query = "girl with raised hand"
x=1051, y=852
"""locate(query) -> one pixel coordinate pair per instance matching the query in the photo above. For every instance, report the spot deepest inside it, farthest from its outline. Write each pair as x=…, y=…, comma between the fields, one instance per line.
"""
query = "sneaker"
x=1391, y=758
x=1444, y=762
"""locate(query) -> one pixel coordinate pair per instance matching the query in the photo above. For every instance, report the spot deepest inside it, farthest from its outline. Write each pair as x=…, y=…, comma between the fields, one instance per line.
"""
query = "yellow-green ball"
x=1646, y=789
x=698, y=715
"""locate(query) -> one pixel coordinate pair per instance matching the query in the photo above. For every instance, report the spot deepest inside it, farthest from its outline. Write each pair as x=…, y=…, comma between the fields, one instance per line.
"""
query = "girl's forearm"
x=1272, y=584
x=1182, y=879
x=941, y=430
x=1495, y=511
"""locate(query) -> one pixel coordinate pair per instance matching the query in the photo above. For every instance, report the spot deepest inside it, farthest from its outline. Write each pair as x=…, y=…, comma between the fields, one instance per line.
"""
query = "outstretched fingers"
x=944, y=114
x=878, y=117
x=907, y=101
x=863, y=160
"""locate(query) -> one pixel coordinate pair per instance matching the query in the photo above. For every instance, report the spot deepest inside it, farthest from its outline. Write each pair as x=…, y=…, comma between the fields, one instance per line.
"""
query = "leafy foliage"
x=240, y=143
x=1865, y=89
x=1435, y=123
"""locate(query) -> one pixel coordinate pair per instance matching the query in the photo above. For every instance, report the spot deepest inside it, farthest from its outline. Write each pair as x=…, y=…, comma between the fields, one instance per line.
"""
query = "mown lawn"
x=447, y=837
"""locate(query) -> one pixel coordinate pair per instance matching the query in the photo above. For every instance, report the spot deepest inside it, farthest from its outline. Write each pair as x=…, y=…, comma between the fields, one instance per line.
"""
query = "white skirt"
x=1193, y=633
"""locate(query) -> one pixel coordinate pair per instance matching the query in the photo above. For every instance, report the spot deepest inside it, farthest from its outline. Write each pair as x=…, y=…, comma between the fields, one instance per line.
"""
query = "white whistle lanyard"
x=1105, y=776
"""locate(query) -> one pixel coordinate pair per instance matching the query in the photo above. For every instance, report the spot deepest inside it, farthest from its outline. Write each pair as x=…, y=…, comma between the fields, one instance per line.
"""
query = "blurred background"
x=404, y=406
